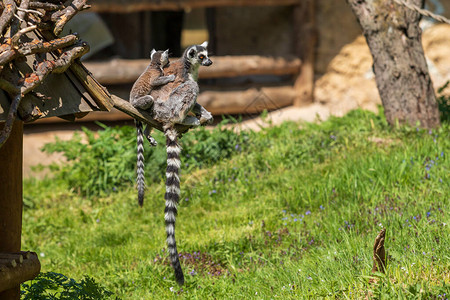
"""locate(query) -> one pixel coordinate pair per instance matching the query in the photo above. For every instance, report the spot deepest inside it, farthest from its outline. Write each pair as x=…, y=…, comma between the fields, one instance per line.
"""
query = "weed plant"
x=54, y=286
x=289, y=212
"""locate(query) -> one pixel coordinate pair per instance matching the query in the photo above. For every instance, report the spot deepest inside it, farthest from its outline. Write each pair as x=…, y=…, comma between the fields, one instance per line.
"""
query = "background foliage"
x=288, y=212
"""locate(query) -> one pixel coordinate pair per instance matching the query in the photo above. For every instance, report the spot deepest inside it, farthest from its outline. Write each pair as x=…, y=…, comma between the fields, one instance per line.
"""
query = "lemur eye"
x=201, y=57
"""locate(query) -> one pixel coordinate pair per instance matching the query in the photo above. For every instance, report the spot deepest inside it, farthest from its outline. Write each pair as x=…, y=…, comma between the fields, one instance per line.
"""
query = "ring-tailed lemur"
x=152, y=77
x=173, y=103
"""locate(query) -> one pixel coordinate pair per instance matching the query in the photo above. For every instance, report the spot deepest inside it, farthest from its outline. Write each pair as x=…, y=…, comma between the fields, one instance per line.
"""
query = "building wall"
x=253, y=31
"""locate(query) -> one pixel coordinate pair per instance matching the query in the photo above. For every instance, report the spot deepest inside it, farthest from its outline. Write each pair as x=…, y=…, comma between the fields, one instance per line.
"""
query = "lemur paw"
x=171, y=77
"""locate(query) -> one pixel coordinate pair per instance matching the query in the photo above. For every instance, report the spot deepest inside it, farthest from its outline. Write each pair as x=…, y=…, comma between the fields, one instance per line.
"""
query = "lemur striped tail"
x=140, y=179
x=172, y=197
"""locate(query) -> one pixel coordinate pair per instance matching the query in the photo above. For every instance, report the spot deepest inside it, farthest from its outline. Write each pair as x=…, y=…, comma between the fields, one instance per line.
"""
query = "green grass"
x=292, y=213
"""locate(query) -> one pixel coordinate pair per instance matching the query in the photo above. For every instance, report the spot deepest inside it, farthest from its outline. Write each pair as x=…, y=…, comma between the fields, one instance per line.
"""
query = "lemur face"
x=198, y=55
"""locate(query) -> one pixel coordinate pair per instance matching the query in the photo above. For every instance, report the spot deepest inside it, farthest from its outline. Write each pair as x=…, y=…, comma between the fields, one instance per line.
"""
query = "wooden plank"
x=11, y=198
x=127, y=6
x=120, y=71
x=305, y=40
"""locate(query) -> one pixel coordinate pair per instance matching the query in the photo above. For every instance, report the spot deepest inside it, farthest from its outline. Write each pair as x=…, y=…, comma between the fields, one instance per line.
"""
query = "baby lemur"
x=172, y=102
x=152, y=77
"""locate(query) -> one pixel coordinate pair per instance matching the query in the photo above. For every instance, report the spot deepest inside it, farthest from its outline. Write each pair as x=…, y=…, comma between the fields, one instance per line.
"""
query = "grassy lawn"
x=289, y=212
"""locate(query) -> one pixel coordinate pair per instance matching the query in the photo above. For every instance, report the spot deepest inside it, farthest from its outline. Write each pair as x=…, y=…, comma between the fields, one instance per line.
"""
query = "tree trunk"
x=394, y=38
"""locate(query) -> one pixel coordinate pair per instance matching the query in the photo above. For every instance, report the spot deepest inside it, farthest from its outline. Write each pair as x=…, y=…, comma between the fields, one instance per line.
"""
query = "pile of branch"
x=44, y=21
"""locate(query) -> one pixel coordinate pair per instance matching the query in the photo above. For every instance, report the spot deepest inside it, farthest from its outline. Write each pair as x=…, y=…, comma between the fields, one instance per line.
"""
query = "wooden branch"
x=23, y=8
x=127, y=6
x=8, y=87
x=12, y=276
x=63, y=16
x=7, y=14
x=119, y=71
x=16, y=37
x=32, y=11
x=37, y=46
x=59, y=65
x=15, y=25
x=45, y=6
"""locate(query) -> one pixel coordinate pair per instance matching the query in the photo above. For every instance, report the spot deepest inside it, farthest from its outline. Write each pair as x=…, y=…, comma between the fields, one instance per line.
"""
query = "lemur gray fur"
x=152, y=77
x=172, y=104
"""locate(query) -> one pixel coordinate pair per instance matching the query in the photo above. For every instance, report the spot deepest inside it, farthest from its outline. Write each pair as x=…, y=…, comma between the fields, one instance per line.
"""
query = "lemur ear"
x=152, y=53
x=205, y=44
x=191, y=52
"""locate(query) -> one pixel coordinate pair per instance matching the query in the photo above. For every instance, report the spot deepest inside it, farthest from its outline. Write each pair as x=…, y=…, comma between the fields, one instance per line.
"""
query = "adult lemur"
x=173, y=101
x=152, y=77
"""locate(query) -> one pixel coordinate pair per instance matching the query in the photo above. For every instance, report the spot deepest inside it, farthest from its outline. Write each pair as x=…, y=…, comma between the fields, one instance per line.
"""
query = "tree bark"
x=401, y=73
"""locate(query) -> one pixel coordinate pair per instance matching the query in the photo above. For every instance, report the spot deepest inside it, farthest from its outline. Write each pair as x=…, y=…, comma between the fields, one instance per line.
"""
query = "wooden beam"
x=120, y=71
x=249, y=101
x=11, y=197
x=26, y=266
x=305, y=41
x=232, y=66
x=98, y=92
x=127, y=6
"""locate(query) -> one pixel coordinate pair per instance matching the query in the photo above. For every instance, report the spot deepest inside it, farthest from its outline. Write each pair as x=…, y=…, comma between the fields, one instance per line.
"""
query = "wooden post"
x=304, y=43
x=11, y=197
